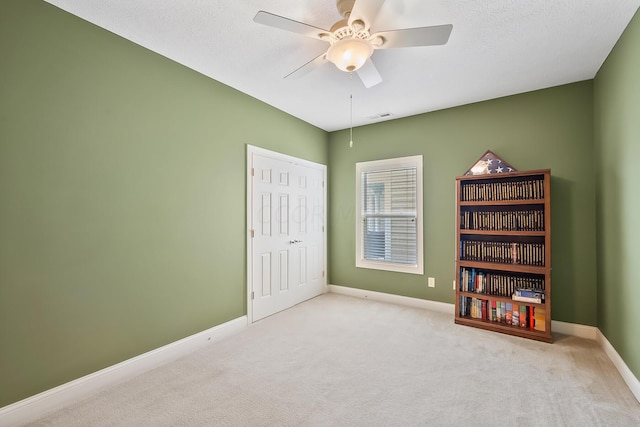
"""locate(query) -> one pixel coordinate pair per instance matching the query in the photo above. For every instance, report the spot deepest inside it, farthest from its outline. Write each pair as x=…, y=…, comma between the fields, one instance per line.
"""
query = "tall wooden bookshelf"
x=503, y=241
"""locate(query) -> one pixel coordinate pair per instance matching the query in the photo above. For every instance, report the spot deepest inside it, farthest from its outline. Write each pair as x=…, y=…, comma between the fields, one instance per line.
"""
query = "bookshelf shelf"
x=497, y=298
x=517, y=268
x=503, y=202
x=503, y=236
x=503, y=233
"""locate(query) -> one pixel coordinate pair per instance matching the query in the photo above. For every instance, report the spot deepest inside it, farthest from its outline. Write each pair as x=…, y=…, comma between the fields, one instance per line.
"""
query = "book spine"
x=515, y=318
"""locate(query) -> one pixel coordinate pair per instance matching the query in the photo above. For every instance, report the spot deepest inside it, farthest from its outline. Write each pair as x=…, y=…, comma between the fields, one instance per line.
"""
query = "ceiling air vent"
x=381, y=116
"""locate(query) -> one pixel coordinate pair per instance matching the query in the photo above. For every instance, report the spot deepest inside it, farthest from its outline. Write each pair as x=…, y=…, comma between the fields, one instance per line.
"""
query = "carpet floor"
x=342, y=361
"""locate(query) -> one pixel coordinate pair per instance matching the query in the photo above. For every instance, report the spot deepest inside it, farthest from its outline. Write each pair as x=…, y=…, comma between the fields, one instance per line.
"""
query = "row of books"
x=521, y=315
x=499, y=284
x=502, y=252
x=531, y=189
x=529, y=220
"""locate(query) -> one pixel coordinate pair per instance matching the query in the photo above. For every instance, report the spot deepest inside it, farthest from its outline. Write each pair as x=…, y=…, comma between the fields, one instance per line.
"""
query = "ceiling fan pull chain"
x=351, y=111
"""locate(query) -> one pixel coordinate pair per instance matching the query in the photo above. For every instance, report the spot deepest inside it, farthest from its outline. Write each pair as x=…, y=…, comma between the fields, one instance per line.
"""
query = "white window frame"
x=380, y=165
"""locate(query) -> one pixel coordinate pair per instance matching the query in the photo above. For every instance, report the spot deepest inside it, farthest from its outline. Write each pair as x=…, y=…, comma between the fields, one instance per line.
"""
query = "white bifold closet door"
x=287, y=242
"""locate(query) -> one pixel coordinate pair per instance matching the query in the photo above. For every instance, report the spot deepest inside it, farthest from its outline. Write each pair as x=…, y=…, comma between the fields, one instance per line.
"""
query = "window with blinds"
x=389, y=206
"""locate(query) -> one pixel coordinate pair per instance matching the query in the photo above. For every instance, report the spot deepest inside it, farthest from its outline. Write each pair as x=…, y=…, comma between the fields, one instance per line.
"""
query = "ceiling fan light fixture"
x=349, y=54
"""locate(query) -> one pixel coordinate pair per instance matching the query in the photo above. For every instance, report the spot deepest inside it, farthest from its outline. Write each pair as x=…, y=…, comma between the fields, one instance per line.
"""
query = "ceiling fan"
x=351, y=43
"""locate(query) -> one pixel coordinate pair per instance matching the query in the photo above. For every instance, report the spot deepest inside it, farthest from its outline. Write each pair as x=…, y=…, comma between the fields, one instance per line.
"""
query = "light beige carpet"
x=341, y=361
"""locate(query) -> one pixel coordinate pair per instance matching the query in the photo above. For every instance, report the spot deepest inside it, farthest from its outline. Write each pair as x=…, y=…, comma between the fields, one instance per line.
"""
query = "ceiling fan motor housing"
x=350, y=46
x=345, y=7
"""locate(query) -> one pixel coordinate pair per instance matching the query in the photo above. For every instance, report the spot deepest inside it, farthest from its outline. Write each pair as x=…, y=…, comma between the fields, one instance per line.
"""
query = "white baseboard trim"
x=441, y=307
x=632, y=382
x=574, y=329
x=42, y=404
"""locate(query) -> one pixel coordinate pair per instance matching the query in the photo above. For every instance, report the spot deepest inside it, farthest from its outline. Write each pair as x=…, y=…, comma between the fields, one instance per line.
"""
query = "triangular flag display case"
x=503, y=241
x=489, y=163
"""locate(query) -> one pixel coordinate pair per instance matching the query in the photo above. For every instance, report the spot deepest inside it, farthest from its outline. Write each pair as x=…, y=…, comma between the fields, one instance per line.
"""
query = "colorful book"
x=478, y=282
x=531, y=317
x=540, y=319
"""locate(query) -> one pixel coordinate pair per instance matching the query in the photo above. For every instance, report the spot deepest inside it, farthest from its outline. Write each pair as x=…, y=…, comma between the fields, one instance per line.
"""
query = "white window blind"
x=390, y=222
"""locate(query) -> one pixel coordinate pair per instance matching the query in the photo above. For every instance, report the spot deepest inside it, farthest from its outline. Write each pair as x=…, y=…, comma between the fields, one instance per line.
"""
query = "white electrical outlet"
x=432, y=282
x=454, y=285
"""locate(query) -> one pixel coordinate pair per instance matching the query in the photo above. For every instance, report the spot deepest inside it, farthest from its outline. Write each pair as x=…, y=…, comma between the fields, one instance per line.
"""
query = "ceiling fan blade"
x=413, y=37
x=369, y=74
x=365, y=11
x=287, y=24
x=308, y=67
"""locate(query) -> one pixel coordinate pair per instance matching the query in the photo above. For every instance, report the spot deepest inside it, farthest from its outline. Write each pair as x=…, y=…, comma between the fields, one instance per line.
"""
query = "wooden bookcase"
x=503, y=241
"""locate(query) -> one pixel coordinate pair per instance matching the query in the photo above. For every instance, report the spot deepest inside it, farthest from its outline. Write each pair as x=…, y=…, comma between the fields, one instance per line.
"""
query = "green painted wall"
x=122, y=197
x=122, y=194
x=617, y=140
x=550, y=128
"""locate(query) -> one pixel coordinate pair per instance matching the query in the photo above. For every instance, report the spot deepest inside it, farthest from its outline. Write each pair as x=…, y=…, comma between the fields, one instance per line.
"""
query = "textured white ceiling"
x=496, y=48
